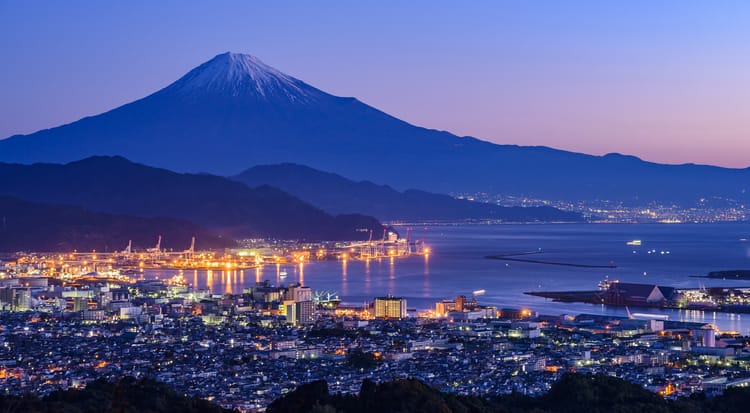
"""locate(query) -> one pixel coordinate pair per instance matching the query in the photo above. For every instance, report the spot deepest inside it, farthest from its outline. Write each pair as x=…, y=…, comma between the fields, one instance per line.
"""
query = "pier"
x=513, y=257
x=617, y=294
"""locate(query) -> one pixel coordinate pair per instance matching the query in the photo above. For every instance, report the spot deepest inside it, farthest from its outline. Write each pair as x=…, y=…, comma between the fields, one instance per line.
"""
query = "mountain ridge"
x=33, y=226
x=224, y=132
x=118, y=186
x=336, y=194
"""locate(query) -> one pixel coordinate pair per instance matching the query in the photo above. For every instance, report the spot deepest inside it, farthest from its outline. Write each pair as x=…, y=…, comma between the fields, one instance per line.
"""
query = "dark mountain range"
x=126, y=395
x=573, y=393
x=229, y=208
x=336, y=195
x=234, y=111
x=29, y=226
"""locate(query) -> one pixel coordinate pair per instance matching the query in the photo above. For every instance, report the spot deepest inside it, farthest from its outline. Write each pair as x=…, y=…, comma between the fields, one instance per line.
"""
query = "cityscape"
x=65, y=325
x=703, y=210
x=501, y=207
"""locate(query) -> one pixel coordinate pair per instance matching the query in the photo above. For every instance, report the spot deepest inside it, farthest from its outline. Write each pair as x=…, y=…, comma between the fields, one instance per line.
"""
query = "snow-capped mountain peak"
x=237, y=74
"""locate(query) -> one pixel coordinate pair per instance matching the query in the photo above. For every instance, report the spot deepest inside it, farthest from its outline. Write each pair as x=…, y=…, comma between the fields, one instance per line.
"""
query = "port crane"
x=157, y=249
x=190, y=252
x=389, y=245
x=129, y=249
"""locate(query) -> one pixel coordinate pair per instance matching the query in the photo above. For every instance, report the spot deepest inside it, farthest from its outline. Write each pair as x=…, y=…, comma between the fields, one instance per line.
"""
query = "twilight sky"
x=668, y=81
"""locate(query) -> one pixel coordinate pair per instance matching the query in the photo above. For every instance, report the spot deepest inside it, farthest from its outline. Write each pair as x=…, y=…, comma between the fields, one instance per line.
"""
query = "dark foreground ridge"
x=117, y=186
x=30, y=226
x=572, y=393
x=125, y=396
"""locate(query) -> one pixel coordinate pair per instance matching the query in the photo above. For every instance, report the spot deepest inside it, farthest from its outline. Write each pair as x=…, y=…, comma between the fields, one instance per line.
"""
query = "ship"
x=646, y=316
x=327, y=300
x=604, y=284
x=634, y=243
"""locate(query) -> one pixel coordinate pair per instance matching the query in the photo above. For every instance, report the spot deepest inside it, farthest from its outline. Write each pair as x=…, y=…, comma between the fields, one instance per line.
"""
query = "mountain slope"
x=29, y=226
x=116, y=185
x=234, y=111
x=336, y=194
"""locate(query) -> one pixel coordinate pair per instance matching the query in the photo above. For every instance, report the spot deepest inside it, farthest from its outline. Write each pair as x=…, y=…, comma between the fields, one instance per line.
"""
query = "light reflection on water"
x=344, y=284
x=456, y=266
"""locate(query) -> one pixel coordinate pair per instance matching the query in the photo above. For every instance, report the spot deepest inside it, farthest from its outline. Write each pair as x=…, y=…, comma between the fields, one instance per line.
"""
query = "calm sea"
x=457, y=266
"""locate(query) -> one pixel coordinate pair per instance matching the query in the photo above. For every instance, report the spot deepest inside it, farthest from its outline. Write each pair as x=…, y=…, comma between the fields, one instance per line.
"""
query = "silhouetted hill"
x=336, y=194
x=234, y=111
x=125, y=396
x=573, y=393
x=29, y=226
x=116, y=185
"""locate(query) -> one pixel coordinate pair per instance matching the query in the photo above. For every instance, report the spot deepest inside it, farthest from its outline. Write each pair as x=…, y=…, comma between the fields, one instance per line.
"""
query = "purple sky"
x=668, y=81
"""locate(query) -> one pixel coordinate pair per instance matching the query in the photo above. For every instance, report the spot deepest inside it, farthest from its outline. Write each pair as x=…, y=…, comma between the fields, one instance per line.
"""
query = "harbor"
x=514, y=257
x=252, y=254
x=621, y=294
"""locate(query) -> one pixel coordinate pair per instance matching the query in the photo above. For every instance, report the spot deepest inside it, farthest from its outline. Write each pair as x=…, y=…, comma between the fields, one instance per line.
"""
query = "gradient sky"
x=668, y=81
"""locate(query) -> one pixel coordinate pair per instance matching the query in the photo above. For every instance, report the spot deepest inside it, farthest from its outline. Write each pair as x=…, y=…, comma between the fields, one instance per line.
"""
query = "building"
x=442, y=308
x=637, y=294
x=298, y=307
x=15, y=298
x=390, y=307
x=80, y=304
x=705, y=336
x=298, y=293
x=300, y=313
x=460, y=303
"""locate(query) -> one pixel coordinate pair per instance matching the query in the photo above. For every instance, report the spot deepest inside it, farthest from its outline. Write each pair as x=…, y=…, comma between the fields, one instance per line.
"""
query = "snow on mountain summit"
x=239, y=75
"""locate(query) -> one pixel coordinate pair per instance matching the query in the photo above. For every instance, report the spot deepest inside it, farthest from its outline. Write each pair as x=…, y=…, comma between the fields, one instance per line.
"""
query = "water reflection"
x=459, y=267
x=228, y=283
x=344, y=283
x=392, y=276
x=368, y=279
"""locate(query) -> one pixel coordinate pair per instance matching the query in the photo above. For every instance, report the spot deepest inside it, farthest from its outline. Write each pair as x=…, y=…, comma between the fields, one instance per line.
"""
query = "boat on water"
x=635, y=242
x=606, y=283
x=327, y=299
x=646, y=316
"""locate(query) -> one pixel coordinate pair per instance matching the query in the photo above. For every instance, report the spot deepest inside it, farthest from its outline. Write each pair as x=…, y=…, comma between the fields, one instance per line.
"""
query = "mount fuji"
x=234, y=111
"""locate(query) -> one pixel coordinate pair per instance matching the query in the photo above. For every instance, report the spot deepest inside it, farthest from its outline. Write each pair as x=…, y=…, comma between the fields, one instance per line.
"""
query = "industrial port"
x=252, y=254
x=620, y=294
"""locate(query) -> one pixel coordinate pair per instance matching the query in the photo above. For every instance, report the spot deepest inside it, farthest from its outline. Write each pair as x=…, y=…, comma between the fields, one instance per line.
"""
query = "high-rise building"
x=300, y=313
x=80, y=304
x=23, y=299
x=298, y=307
x=390, y=307
x=15, y=298
x=460, y=302
x=6, y=297
x=298, y=293
x=443, y=307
